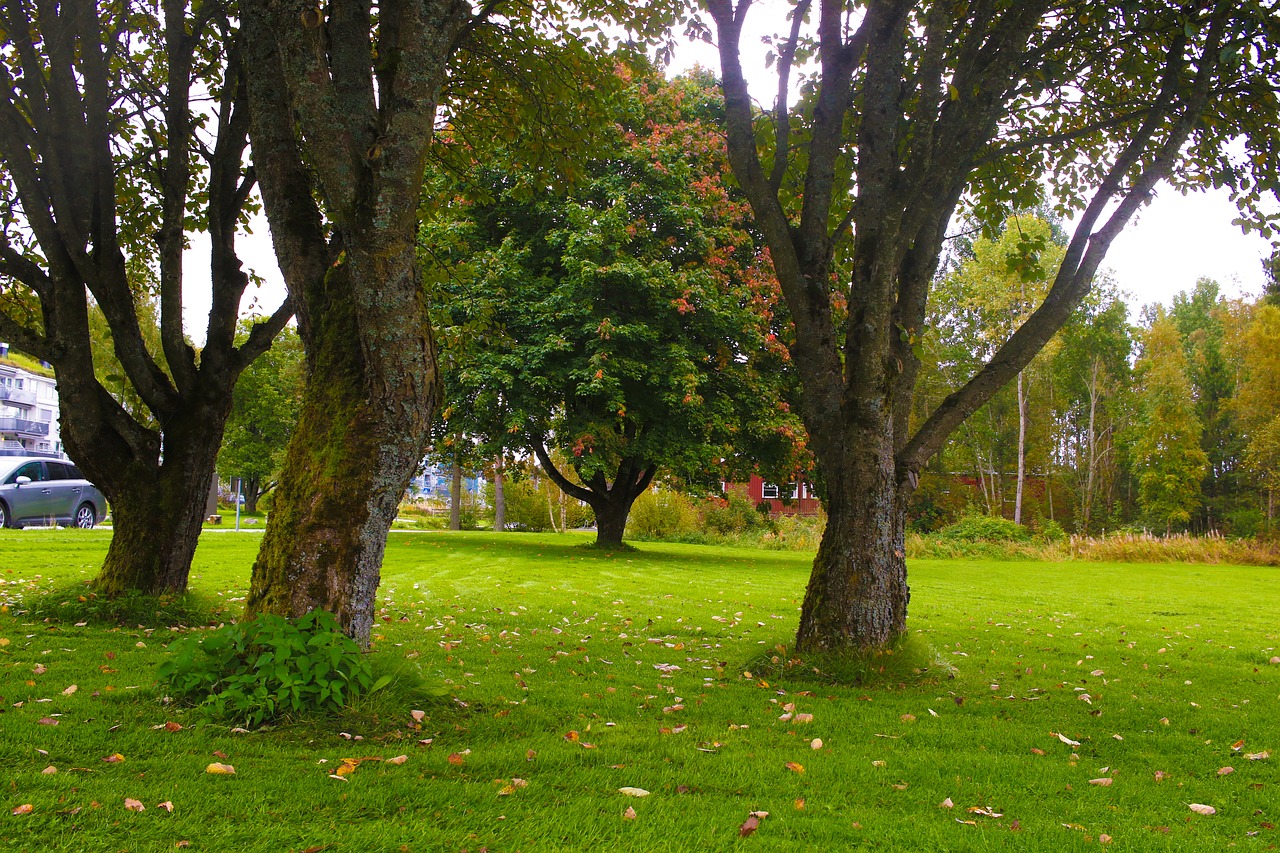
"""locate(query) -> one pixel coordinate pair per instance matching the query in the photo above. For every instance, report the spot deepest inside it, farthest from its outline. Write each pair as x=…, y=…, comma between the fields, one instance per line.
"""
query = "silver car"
x=47, y=491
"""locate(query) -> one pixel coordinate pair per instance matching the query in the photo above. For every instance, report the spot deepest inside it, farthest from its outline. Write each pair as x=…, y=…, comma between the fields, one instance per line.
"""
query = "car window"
x=34, y=470
x=74, y=473
x=57, y=471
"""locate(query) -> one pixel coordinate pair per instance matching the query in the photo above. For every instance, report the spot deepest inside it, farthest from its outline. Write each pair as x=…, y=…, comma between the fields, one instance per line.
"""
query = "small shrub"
x=732, y=515
x=661, y=515
x=256, y=671
x=984, y=528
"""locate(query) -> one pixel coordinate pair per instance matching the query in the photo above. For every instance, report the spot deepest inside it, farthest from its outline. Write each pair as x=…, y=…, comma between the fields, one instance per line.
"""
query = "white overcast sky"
x=1175, y=240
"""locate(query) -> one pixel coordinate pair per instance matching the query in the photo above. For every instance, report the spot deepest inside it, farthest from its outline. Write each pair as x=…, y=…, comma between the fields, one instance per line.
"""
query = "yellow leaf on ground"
x=220, y=769
x=25, y=808
x=795, y=767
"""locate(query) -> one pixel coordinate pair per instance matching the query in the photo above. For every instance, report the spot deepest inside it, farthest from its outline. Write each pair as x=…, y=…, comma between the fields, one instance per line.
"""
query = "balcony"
x=20, y=396
x=23, y=427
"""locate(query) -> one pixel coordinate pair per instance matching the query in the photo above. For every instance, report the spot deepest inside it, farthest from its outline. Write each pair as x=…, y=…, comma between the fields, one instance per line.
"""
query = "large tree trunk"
x=360, y=435
x=611, y=510
x=857, y=595
x=157, y=511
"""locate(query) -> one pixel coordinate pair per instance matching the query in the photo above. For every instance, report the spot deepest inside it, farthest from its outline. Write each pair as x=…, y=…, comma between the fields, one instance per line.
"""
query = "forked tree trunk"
x=611, y=512
x=360, y=435
x=157, y=511
x=857, y=595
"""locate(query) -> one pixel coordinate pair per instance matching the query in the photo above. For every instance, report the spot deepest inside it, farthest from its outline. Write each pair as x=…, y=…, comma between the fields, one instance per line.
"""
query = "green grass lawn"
x=579, y=673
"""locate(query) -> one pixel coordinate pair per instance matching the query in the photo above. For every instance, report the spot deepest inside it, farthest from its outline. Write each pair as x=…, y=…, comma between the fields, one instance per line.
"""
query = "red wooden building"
x=794, y=498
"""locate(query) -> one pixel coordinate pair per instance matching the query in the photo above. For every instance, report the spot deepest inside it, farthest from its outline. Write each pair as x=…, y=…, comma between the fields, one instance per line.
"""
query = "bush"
x=661, y=515
x=984, y=528
x=258, y=670
x=733, y=515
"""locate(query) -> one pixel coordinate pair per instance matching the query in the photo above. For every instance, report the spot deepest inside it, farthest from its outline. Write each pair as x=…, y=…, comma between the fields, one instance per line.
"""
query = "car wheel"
x=4, y=515
x=86, y=517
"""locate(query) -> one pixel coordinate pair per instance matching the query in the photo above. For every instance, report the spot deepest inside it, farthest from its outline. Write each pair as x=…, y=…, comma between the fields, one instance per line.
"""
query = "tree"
x=108, y=162
x=1257, y=403
x=628, y=320
x=264, y=408
x=906, y=111
x=1167, y=449
x=979, y=305
x=1092, y=375
x=344, y=106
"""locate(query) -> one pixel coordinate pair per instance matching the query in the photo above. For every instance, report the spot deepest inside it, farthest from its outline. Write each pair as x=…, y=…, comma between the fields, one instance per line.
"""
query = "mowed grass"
x=580, y=672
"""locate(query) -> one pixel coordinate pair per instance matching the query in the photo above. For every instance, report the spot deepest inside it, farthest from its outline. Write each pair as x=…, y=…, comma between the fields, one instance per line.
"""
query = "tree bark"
x=1022, y=451
x=857, y=595
x=343, y=110
x=361, y=432
x=157, y=510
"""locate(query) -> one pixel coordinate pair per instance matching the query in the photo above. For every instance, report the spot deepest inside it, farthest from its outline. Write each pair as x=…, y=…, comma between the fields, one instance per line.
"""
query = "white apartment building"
x=28, y=410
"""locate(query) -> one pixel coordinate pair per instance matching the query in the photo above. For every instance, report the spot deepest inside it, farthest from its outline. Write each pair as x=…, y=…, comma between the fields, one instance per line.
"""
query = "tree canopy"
x=629, y=321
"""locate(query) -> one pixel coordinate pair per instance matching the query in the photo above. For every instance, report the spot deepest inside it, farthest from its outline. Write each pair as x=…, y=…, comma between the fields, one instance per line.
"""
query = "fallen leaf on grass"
x=795, y=767
x=946, y=804
x=456, y=759
x=418, y=716
x=399, y=759
x=172, y=727
x=134, y=805
x=1237, y=746
x=166, y=805
x=749, y=826
x=633, y=792
x=900, y=786
x=804, y=718
x=183, y=843
x=799, y=804
x=50, y=770
x=1257, y=756
x=220, y=769
x=25, y=808
x=1068, y=741
x=39, y=669
x=1037, y=751
x=1201, y=808
x=982, y=810
x=908, y=718
x=816, y=743
x=72, y=689
x=1103, y=838
x=1104, y=782
x=114, y=758
x=629, y=814
x=47, y=721
x=1226, y=771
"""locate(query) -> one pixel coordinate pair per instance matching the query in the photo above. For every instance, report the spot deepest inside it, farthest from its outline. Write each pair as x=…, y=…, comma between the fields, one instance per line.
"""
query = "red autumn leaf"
x=455, y=759
x=749, y=826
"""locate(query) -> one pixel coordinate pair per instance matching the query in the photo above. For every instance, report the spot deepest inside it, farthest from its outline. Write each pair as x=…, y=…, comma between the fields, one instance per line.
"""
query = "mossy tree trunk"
x=361, y=432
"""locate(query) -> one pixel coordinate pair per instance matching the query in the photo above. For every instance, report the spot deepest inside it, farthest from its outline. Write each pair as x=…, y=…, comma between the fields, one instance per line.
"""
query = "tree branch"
x=566, y=485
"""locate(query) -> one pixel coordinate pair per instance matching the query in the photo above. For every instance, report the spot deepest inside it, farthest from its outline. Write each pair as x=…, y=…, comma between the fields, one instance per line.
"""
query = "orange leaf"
x=172, y=727
x=25, y=808
x=455, y=759
x=114, y=758
x=572, y=736
x=795, y=766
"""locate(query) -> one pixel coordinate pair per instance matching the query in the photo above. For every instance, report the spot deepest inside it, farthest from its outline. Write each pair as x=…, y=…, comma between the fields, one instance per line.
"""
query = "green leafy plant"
x=985, y=528
x=258, y=670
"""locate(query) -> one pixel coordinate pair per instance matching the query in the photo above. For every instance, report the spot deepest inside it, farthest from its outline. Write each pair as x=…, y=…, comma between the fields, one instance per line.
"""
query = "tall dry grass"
x=1116, y=548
